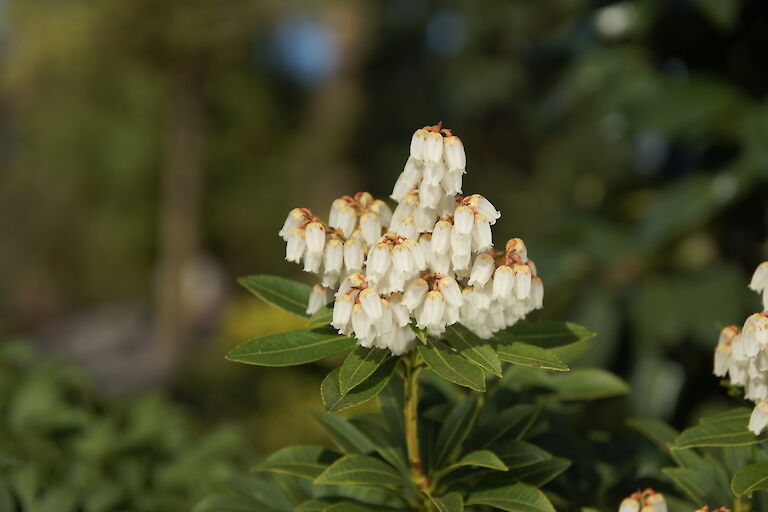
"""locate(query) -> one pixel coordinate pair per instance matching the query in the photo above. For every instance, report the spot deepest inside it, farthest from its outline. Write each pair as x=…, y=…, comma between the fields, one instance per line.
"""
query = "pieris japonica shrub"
x=431, y=312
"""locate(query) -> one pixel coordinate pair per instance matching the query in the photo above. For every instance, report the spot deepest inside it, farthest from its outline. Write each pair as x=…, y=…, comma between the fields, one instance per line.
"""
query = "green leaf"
x=750, y=478
x=475, y=349
x=385, y=444
x=661, y=434
x=531, y=355
x=283, y=293
x=316, y=505
x=291, y=348
x=392, y=402
x=547, y=334
x=481, y=459
x=320, y=318
x=336, y=401
x=695, y=483
x=514, y=422
x=451, y=502
x=343, y=434
x=588, y=384
x=347, y=506
x=451, y=366
x=514, y=498
x=517, y=454
x=359, y=365
x=455, y=429
x=539, y=473
x=301, y=461
x=360, y=470
x=724, y=429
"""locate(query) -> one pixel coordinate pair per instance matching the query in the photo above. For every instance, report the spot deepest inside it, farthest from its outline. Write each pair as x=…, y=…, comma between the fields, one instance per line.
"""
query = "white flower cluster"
x=742, y=355
x=644, y=501
x=428, y=264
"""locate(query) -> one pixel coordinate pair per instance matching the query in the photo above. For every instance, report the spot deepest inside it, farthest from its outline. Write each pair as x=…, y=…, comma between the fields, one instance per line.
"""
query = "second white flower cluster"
x=742, y=354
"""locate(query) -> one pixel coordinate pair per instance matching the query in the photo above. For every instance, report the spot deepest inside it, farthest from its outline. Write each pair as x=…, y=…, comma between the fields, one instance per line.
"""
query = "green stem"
x=411, y=416
x=742, y=504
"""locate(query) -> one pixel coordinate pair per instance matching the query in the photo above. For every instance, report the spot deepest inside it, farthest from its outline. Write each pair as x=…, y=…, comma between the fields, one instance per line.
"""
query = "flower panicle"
x=426, y=264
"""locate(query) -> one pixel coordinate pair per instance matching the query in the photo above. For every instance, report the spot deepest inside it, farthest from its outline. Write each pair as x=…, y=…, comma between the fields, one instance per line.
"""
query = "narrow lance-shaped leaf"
x=451, y=366
x=475, y=349
x=753, y=477
x=724, y=429
x=336, y=401
x=359, y=365
x=547, y=334
x=514, y=498
x=588, y=384
x=530, y=355
x=479, y=458
x=283, y=293
x=301, y=461
x=455, y=429
x=343, y=434
x=291, y=348
x=360, y=470
x=451, y=502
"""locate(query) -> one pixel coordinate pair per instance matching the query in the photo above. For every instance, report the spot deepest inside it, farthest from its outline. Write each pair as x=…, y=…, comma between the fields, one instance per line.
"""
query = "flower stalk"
x=411, y=417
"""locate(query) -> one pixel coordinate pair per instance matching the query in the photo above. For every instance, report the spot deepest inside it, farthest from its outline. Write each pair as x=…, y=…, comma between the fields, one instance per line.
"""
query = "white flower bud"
x=452, y=182
x=382, y=211
x=400, y=313
x=484, y=206
x=415, y=291
x=759, y=281
x=419, y=144
x=522, y=280
x=393, y=281
x=503, y=283
x=431, y=314
x=379, y=260
x=361, y=323
x=313, y=261
x=430, y=194
x=434, y=172
x=402, y=260
x=319, y=297
x=419, y=260
x=385, y=322
x=296, y=245
x=342, y=310
x=315, y=237
x=629, y=505
x=482, y=269
x=463, y=219
x=482, y=238
x=293, y=221
x=424, y=218
x=333, y=259
x=656, y=503
x=450, y=290
x=441, y=237
x=460, y=243
x=433, y=149
x=354, y=256
x=460, y=261
x=453, y=151
x=370, y=227
x=537, y=293
x=371, y=302
x=407, y=228
x=440, y=263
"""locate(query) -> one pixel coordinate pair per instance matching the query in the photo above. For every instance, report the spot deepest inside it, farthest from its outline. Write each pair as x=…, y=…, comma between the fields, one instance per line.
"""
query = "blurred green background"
x=149, y=152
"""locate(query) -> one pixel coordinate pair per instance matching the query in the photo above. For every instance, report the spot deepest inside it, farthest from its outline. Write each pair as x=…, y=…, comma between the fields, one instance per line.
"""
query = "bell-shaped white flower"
x=431, y=314
x=342, y=310
x=441, y=237
x=503, y=282
x=370, y=227
x=629, y=505
x=434, y=172
x=319, y=297
x=482, y=269
x=452, y=182
x=424, y=219
x=482, y=239
x=313, y=261
x=315, y=237
x=522, y=280
x=293, y=221
x=415, y=291
x=463, y=220
x=430, y=194
x=333, y=258
x=382, y=211
x=379, y=259
x=433, y=149
x=296, y=246
x=759, y=418
x=450, y=290
x=453, y=153
x=354, y=255
x=484, y=206
x=361, y=322
x=371, y=302
x=419, y=144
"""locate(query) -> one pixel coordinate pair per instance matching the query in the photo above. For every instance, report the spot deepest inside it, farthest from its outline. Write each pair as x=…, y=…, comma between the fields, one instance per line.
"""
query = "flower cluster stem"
x=411, y=417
